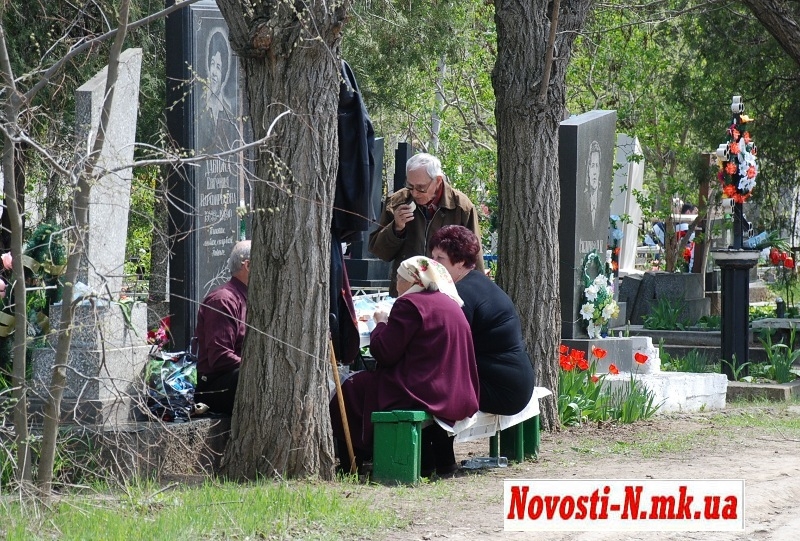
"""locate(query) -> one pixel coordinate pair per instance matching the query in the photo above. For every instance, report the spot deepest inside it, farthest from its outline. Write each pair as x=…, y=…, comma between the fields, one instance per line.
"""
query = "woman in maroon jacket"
x=425, y=361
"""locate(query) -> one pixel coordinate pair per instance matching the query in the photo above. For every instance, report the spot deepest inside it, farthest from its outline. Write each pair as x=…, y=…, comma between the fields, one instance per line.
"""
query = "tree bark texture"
x=528, y=182
x=290, y=52
x=782, y=20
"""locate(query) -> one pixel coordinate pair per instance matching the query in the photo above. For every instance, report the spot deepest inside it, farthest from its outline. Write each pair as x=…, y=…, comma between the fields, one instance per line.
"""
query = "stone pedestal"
x=735, y=265
x=104, y=372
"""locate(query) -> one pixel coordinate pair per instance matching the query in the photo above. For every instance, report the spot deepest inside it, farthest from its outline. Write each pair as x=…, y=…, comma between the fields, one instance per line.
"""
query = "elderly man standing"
x=412, y=215
x=220, y=335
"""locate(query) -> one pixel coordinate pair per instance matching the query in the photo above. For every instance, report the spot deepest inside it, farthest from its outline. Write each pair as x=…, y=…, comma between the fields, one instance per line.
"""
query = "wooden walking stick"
x=345, y=424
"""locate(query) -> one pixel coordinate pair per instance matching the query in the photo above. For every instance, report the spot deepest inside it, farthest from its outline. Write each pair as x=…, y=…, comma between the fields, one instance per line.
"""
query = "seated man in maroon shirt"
x=220, y=335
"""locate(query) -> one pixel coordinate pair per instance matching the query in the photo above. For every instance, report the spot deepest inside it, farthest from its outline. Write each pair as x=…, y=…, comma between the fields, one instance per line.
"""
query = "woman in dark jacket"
x=504, y=368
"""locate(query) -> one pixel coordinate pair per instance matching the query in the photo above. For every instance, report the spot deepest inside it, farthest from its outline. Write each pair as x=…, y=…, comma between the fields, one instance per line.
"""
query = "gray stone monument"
x=110, y=197
x=628, y=178
x=108, y=344
x=586, y=156
x=205, y=117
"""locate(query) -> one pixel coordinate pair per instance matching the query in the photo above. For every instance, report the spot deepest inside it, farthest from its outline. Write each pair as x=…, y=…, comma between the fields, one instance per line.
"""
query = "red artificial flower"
x=782, y=256
x=774, y=256
x=738, y=198
x=729, y=190
x=730, y=168
x=616, y=250
x=612, y=369
x=595, y=379
x=614, y=266
x=681, y=234
x=735, y=134
x=747, y=137
x=582, y=364
x=687, y=254
x=734, y=147
x=640, y=357
x=788, y=263
x=751, y=172
x=599, y=352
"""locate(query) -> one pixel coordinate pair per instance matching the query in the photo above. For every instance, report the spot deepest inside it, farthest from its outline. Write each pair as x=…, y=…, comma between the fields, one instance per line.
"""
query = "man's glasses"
x=418, y=189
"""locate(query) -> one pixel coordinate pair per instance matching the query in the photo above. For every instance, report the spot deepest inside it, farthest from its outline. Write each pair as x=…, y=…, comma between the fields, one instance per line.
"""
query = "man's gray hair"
x=431, y=164
x=239, y=254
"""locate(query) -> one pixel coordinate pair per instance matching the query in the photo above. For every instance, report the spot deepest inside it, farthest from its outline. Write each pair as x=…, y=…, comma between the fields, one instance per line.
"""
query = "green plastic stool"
x=397, y=446
x=517, y=442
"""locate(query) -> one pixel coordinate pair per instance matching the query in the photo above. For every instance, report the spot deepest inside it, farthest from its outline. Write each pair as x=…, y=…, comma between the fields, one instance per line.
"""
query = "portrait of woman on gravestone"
x=218, y=67
x=592, y=189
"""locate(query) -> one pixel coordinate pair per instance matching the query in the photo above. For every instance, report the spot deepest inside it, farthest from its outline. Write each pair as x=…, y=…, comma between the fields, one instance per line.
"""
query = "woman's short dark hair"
x=459, y=243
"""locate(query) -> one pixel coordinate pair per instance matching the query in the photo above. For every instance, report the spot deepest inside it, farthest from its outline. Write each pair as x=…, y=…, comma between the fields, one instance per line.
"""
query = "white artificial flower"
x=591, y=293
x=601, y=281
x=587, y=310
x=747, y=184
x=608, y=310
x=593, y=330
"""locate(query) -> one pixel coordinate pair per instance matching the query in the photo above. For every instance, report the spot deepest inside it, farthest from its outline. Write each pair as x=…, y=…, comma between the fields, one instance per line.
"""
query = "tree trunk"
x=528, y=183
x=782, y=20
x=281, y=423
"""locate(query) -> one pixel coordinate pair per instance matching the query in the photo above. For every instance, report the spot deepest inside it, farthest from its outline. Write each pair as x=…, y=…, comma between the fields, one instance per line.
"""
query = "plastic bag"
x=171, y=379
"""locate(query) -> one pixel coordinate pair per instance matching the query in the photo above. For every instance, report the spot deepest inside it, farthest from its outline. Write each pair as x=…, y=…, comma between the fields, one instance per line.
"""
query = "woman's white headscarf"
x=427, y=275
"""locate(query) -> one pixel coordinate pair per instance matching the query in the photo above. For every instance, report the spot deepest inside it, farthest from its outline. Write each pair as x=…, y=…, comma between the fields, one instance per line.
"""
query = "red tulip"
x=789, y=263
x=640, y=357
x=783, y=256
x=612, y=369
x=598, y=352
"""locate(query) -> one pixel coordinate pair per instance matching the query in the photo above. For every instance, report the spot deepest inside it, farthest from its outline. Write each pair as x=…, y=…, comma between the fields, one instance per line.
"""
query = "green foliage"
x=578, y=395
x=694, y=361
x=630, y=403
x=260, y=510
x=709, y=323
x=140, y=221
x=780, y=357
x=665, y=315
x=760, y=312
x=736, y=369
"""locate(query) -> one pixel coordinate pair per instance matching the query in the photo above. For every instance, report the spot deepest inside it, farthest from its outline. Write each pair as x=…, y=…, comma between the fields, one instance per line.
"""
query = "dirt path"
x=758, y=444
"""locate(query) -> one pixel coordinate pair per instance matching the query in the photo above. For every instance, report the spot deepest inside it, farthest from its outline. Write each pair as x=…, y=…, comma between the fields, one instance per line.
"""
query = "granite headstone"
x=586, y=157
x=108, y=348
x=110, y=197
x=204, y=116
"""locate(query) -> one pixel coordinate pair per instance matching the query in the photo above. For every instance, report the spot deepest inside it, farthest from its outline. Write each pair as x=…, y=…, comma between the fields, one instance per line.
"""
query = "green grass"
x=654, y=446
x=264, y=510
x=775, y=416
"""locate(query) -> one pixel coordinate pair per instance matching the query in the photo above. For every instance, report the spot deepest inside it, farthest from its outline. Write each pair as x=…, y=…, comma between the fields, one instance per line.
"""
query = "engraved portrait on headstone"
x=593, y=180
x=218, y=66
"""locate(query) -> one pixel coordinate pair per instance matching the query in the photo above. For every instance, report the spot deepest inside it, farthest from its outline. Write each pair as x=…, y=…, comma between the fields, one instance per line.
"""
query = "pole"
x=345, y=424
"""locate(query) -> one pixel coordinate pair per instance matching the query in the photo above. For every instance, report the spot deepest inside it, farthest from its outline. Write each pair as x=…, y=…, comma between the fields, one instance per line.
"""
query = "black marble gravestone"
x=586, y=157
x=204, y=116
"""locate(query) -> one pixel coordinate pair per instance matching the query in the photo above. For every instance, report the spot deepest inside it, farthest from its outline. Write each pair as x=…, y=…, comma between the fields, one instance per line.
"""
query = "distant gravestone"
x=628, y=178
x=586, y=156
x=204, y=115
x=110, y=197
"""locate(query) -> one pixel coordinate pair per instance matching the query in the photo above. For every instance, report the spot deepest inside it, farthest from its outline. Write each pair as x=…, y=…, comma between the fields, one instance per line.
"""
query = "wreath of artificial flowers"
x=599, y=306
x=737, y=158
